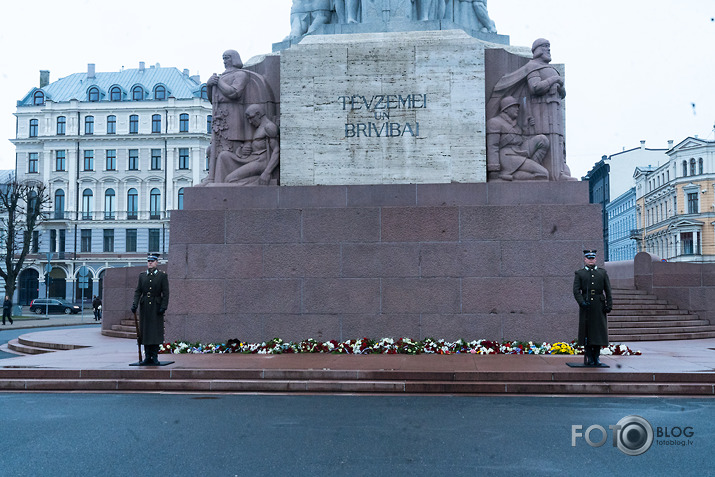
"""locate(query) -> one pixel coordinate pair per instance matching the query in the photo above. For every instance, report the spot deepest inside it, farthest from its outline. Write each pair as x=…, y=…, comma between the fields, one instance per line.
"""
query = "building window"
x=115, y=94
x=686, y=243
x=685, y=168
x=93, y=95
x=131, y=239
x=53, y=240
x=133, y=124
x=154, y=236
x=204, y=92
x=89, y=160
x=160, y=93
x=61, y=125
x=180, y=200
x=32, y=160
x=209, y=121
x=156, y=123
x=60, y=204
x=108, y=240
x=155, y=204
x=700, y=166
x=38, y=99
x=34, y=126
x=132, y=204
x=87, y=196
x=111, y=124
x=60, y=162
x=111, y=159
x=89, y=125
x=183, y=158
x=109, y=205
x=156, y=159
x=137, y=93
x=35, y=241
x=86, y=240
x=133, y=159
x=63, y=236
x=692, y=202
x=692, y=166
x=184, y=122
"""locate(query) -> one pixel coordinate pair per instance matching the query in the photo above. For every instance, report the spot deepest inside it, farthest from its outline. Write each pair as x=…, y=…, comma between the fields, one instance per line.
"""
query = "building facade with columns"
x=675, y=204
x=116, y=151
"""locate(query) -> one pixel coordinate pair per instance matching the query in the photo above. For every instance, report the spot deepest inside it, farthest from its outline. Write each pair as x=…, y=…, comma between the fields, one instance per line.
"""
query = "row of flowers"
x=389, y=346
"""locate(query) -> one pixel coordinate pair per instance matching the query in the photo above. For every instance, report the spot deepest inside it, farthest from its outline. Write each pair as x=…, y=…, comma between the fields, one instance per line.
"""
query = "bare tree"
x=21, y=212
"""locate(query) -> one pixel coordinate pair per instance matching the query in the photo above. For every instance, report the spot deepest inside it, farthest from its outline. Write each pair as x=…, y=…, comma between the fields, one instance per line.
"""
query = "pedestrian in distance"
x=592, y=291
x=7, y=310
x=152, y=298
x=97, y=307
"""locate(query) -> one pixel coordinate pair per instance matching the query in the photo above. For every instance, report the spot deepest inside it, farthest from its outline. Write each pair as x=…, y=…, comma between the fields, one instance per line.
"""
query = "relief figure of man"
x=510, y=154
x=254, y=162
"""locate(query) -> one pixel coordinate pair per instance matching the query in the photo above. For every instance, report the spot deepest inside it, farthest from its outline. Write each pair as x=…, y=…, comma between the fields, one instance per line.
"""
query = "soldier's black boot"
x=595, y=353
x=587, y=357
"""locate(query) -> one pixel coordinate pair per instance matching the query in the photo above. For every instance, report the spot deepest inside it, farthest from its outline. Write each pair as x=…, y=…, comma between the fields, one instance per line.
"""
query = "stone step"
x=120, y=334
x=51, y=346
x=621, y=312
x=129, y=329
x=667, y=329
x=505, y=387
x=639, y=336
x=656, y=324
x=654, y=306
x=613, y=318
x=18, y=347
x=633, y=301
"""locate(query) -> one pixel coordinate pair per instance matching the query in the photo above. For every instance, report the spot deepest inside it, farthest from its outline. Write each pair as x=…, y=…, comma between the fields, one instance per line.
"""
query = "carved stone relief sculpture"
x=243, y=131
x=539, y=90
x=307, y=15
x=473, y=14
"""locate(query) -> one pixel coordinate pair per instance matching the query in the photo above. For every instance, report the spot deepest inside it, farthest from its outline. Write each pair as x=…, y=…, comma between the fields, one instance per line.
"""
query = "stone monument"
x=423, y=189
x=244, y=146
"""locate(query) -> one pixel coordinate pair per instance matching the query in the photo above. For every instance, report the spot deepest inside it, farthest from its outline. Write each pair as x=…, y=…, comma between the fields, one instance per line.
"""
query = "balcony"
x=636, y=234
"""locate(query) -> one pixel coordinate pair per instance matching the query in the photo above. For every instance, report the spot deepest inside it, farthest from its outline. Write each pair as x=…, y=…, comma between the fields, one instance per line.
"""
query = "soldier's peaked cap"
x=590, y=253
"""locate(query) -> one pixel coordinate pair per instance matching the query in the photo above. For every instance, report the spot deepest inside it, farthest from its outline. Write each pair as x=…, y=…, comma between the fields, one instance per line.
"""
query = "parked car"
x=53, y=305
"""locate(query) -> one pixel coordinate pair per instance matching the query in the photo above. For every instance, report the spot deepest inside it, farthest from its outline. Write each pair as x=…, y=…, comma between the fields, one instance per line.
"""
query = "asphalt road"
x=227, y=435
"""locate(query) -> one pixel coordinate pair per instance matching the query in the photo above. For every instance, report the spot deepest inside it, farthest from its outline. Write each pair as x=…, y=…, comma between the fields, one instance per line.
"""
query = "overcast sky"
x=635, y=69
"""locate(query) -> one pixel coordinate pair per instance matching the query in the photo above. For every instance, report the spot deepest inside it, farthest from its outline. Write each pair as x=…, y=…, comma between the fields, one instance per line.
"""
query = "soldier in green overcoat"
x=152, y=297
x=592, y=291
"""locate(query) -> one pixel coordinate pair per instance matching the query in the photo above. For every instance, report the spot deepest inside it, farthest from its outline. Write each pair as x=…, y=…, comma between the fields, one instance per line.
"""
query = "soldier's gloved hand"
x=162, y=311
x=134, y=309
x=584, y=304
x=608, y=309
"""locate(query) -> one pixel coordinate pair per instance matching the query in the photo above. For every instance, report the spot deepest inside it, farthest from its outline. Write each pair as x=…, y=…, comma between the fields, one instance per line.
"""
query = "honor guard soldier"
x=152, y=298
x=592, y=291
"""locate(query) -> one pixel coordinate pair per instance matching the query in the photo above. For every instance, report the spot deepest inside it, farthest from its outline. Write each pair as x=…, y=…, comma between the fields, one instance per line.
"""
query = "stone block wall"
x=690, y=286
x=490, y=260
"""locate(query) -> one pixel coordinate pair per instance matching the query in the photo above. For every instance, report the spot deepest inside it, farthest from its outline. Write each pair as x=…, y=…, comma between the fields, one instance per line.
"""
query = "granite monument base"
x=471, y=261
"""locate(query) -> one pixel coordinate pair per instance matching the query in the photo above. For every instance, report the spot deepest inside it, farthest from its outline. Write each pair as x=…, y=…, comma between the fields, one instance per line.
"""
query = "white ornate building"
x=116, y=151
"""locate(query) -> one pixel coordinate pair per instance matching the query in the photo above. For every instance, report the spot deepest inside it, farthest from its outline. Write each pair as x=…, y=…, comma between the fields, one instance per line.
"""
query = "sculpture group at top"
x=244, y=140
x=309, y=15
x=525, y=122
